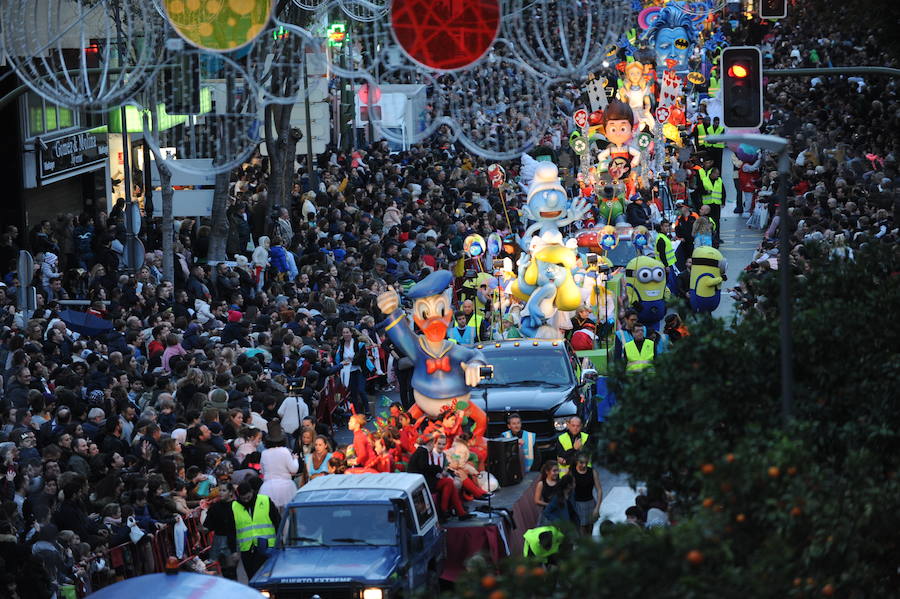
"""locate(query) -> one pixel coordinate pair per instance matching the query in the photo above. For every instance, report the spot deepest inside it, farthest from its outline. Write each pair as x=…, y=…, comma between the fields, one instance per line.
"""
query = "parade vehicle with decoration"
x=369, y=536
x=542, y=381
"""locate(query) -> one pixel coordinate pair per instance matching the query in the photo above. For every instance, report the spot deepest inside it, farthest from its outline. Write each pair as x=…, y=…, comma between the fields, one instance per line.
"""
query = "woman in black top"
x=586, y=480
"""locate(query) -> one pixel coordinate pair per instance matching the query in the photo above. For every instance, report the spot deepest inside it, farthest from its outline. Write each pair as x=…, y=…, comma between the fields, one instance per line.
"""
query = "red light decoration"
x=739, y=71
x=445, y=35
x=363, y=94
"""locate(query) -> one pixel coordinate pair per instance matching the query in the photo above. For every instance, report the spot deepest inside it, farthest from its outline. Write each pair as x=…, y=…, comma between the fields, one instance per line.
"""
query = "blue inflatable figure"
x=672, y=36
x=548, y=206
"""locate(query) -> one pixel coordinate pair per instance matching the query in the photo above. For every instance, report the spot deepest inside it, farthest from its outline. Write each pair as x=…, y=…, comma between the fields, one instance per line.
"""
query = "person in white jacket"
x=292, y=411
x=48, y=269
x=261, y=260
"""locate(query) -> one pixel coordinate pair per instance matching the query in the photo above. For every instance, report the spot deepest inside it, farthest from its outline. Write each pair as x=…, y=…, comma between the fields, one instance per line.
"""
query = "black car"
x=541, y=381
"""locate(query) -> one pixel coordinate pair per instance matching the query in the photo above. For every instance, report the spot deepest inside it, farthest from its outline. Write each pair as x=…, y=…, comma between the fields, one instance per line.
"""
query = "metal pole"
x=126, y=159
x=784, y=297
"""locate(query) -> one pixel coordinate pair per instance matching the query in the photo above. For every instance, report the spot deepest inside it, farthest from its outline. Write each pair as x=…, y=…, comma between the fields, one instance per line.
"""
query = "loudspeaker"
x=504, y=461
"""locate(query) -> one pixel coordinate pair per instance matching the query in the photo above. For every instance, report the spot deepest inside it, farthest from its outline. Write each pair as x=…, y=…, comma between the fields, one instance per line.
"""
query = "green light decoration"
x=337, y=34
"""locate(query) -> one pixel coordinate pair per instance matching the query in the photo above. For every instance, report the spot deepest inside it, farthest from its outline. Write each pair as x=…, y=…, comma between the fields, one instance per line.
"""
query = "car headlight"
x=266, y=594
x=560, y=423
x=373, y=593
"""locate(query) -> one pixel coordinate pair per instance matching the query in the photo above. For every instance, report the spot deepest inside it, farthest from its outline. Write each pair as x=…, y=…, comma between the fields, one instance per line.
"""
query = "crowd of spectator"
x=190, y=382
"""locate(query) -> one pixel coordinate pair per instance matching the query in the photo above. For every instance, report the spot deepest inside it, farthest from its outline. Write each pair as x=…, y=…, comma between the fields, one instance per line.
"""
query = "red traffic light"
x=738, y=70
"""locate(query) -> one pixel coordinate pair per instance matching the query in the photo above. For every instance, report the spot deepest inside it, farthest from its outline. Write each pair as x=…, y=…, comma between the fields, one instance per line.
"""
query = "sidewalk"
x=739, y=246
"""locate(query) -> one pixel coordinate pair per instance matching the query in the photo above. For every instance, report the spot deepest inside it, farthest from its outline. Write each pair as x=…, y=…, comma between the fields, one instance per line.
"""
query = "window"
x=537, y=367
x=46, y=117
x=422, y=504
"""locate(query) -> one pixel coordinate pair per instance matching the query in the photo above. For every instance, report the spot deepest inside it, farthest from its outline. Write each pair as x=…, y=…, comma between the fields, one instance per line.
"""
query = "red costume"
x=362, y=447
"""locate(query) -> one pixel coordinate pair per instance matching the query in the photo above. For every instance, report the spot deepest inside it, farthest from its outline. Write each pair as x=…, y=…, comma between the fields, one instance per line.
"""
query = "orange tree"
x=762, y=508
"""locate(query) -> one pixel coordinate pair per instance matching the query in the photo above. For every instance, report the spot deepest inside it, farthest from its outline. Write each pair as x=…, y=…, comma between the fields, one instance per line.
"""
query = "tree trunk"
x=168, y=222
x=218, y=237
x=281, y=141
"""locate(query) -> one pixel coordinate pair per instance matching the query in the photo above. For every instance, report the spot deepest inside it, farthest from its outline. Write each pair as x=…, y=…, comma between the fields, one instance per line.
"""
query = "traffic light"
x=336, y=34
x=772, y=9
x=741, y=87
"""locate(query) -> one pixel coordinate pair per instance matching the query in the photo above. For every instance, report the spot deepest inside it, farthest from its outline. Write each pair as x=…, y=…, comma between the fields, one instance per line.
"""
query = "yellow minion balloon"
x=645, y=286
x=707, y=273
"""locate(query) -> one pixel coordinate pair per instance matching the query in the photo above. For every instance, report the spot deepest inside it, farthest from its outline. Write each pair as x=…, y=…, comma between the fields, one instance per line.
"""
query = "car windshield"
x=529, y=367
x=340, y=525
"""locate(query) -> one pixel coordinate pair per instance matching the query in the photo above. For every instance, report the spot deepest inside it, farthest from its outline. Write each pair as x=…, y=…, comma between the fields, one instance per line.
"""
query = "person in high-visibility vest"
x=716, y=149
x=713, y=195
x=665, y=253
x=543, y=542
x=639, y=351
x=256, y=519
x=569, y=443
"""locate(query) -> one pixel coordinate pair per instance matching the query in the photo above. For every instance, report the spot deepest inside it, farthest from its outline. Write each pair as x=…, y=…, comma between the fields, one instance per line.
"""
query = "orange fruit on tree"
x=729, y=458
x=707, y=468
x=694, y=557
x=708, y=502
x=498, y=594
x=612, y=446
x=792, y=471
x=774, y=471
x=741, y=518
x=828, y=590
x=538, y=571
x=796, y=511
x=488, y=581
x=521, y=570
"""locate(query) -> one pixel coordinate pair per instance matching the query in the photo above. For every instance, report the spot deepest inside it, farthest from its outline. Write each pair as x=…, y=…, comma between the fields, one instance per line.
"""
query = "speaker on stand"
x=504, y=460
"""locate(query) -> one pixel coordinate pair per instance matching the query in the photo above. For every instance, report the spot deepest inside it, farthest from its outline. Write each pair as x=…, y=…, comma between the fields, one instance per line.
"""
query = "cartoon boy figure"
x=619, y=159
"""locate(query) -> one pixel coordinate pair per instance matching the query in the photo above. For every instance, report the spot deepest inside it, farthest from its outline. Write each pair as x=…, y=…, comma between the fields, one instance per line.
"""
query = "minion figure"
x=707, y=273
x=645, y=286
x=443, y=371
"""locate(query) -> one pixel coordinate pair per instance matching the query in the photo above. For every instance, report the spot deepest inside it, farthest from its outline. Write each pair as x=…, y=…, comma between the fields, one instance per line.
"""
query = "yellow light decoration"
x=218, y=25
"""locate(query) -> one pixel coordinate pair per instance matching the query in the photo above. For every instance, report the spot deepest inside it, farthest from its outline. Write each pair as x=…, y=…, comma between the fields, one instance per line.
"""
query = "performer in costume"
x=707, y=274
x=443, y=371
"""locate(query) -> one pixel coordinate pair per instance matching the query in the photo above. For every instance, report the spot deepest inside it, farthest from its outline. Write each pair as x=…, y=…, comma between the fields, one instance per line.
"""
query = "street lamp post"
x=778, y=145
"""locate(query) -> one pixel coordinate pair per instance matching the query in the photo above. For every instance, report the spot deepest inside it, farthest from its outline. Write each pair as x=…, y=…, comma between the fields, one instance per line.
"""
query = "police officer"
x=255, y=521
x=569, y=443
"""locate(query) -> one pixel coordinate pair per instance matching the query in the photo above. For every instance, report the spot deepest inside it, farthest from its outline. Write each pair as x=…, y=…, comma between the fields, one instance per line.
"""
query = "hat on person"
x=240, y=259
x=435, y=283
x=97, y=395
x=234, y=316
x=381, y=262
x=546, y=177
x=215, y=428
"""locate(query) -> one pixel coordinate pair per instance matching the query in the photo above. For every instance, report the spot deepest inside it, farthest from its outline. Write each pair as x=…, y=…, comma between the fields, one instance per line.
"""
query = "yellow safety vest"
x=701, y=134
x=713, y=195
x=719, y=131
x=638, y=360
x=670, y=249
x=566, y=441
x=250, y=529
x=533, y=544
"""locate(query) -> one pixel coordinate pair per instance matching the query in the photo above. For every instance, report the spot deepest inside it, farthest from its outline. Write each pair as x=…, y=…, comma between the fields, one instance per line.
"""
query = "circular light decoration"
x=364, y=11
x=309, y=4
x=41, y=41
x=565, y=38
x=218, y=25
x=499, y=108
x=275, y=62
x=205, y=109
x=434, y=92
x=445, y=35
